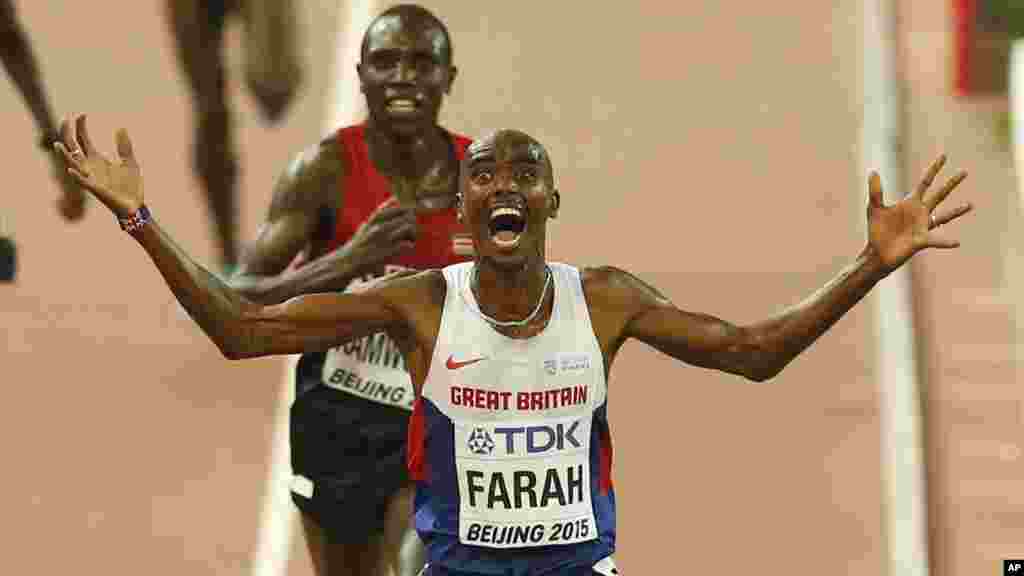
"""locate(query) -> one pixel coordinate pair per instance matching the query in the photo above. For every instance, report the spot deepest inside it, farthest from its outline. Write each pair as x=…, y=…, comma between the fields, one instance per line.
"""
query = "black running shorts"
x=347, y=454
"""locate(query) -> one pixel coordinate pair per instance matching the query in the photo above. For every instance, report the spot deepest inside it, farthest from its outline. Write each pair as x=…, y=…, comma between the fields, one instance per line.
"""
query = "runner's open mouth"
x=507, y=225
x=403, y=105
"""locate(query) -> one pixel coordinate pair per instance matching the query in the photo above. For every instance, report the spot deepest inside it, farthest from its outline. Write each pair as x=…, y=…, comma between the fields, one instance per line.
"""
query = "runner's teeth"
x=506, y=243
x=506, y=212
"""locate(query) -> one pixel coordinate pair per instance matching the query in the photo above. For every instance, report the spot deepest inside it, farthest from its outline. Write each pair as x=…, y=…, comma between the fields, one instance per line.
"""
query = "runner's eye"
x=482, y=176
x=528, y=175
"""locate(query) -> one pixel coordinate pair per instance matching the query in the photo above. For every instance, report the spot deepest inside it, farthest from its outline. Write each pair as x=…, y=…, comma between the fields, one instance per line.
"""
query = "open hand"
x=899, y=231
x=117, y=185
x=388, y=232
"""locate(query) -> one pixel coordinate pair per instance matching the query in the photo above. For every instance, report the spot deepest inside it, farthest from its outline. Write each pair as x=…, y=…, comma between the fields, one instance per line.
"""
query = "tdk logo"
x=537, y=439
x=480, y=442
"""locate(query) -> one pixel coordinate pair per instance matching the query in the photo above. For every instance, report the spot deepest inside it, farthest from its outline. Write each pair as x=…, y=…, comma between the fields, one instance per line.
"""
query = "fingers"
x=80, y=176
x=933, y=200
x=391, y=225
x=950, y=215
x=400, y=232
x=388, y=210
x=930, y=175
x=82, y=134
x=75, y=167
x=68, y=138
x=390, y=241
x=63, y=151
x=71, y=160
x=942, y=242
x=875, y=190
x=390, y=202
x=388, y=214
x=404, y=233
x=124, y=147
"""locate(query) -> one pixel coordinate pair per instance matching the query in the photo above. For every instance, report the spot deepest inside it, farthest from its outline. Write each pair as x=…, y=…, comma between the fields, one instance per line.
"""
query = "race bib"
x=371, y=367
x=523, y=483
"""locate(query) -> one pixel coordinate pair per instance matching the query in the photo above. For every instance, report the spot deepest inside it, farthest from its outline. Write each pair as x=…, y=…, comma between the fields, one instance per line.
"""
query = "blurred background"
x=718, y=150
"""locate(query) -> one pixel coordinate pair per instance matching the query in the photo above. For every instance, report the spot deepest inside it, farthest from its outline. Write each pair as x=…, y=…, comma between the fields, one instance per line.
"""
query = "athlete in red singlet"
x=368, y=200
x=352, y=404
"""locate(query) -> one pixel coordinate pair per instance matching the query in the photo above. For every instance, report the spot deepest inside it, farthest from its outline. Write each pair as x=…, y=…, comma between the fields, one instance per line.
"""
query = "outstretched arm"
x=243, y=329
x=757, y=351
x=760, y=351
x=239, y=327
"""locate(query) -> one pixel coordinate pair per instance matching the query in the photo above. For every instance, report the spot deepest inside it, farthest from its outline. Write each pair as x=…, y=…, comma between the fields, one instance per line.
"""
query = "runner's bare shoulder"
x=409, y=288
x=417, y=296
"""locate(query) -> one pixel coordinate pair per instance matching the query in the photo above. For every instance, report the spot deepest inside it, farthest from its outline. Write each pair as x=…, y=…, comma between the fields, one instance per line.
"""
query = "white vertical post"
x=1016, y=93
x=904, y=504
x=345, y=106
x=1014, y=254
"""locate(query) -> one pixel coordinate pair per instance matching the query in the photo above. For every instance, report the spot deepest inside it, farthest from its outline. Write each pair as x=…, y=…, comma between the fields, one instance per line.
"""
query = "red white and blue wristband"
x=135, y=222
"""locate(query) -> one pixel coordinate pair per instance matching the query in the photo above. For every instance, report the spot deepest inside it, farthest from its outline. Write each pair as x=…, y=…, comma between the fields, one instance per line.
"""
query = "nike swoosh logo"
x=451, y=364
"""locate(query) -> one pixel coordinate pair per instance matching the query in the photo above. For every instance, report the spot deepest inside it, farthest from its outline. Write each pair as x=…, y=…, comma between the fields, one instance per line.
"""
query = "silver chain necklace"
x=515, y=323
